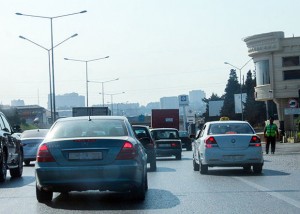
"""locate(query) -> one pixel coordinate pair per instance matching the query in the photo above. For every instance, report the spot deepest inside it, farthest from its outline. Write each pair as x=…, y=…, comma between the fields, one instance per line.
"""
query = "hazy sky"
x=157, y=47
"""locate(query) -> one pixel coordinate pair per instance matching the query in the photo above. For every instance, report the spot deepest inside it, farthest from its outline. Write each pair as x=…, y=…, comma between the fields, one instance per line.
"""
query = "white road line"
x=268, y=191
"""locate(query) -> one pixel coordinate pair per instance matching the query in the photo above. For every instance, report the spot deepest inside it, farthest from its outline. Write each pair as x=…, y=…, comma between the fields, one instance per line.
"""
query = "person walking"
x=270, y=134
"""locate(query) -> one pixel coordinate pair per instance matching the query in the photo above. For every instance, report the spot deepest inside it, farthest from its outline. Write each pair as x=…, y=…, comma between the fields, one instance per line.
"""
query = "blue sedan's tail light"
x=127, y=152
x=44, y=155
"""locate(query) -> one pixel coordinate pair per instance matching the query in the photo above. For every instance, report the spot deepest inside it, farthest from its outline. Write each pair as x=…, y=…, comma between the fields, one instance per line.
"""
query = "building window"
x=262, y=72
x=291, y=74
x=290, y=61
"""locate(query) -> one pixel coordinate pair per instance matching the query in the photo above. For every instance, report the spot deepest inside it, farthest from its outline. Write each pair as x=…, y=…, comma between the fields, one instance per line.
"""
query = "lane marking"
x=268, y=191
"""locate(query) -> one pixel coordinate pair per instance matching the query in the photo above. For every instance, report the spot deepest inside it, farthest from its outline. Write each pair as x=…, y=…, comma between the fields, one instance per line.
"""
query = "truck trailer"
x=165, y=118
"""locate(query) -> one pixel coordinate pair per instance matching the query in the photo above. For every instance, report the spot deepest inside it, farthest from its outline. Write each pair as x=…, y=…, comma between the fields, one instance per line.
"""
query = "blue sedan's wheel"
x=3, y=169
x=257, y=168
x=203, y=168
x=139, y=193
x=43, y=196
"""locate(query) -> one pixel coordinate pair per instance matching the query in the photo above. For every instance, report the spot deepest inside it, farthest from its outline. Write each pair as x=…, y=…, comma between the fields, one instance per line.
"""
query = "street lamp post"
x=241, y=90
x=103, y=87
x=49, y=65
x=86, y=74
x=52, y=52
x=111, y=100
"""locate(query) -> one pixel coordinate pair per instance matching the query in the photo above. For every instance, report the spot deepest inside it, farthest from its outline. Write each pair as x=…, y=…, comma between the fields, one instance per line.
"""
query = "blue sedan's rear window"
x=86, y=128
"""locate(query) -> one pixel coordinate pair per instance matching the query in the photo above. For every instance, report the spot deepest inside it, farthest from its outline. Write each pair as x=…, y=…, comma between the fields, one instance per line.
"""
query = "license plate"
x=233, y=157
x=85, y=155
x=164, y=145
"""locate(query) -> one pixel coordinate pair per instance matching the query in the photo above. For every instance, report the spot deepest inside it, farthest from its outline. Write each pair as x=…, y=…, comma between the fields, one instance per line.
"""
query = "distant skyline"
x=156, y=48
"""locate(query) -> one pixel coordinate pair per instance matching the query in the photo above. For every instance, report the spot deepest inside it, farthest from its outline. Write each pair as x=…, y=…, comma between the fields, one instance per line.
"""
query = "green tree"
x=254, y=110
x=232, y=87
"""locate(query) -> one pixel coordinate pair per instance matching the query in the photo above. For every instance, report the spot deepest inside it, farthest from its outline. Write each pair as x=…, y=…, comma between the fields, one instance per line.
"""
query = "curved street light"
x=241, y=92
x=52, y=52
x=103, y=87
x=111, y=100
x=86, y=73
x=49, y=64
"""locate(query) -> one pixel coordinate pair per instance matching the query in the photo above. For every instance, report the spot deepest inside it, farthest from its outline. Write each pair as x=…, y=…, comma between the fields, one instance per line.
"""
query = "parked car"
x=227, y=144
x=91, y=153
x=31, y=139
x=11, y=151
x=144, y=136
x=167, y=142
x=186, y=141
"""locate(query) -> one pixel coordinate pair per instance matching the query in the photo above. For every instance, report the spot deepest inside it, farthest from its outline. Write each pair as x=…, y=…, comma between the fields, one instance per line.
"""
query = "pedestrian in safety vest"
x=270, y=133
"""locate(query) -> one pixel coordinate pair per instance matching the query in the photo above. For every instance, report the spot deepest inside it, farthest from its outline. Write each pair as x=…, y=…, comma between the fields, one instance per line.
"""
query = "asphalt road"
x=176, y=188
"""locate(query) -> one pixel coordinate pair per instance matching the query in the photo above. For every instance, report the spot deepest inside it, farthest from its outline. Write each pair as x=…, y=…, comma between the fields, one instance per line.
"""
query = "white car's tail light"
x=255, y=141
x=210, y=142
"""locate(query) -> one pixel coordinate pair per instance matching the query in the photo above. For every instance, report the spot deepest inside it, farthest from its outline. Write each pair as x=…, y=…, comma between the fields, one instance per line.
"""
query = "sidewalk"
x=284, y=148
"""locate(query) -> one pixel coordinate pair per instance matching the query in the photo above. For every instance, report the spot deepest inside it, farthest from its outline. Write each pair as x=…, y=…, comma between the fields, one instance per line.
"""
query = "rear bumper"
x=217, y=157
x=168, y=152
x=112, y=178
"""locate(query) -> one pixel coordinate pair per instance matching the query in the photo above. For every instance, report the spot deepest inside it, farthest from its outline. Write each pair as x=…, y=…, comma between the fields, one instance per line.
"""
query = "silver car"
x=227, y=144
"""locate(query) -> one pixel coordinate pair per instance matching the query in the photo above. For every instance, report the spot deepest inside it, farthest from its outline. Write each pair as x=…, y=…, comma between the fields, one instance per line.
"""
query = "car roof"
x=93, y=118
x=164, y=129
x=227, y=121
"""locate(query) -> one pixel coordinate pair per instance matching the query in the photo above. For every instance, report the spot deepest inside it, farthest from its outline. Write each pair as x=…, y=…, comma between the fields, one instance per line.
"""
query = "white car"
x=227, y=144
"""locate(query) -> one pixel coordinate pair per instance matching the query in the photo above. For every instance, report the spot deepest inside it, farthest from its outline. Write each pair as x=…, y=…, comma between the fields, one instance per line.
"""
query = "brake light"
x=127, y=152
x=210, y=142
x=44, y=155
x=174, y=144
x=255, y=141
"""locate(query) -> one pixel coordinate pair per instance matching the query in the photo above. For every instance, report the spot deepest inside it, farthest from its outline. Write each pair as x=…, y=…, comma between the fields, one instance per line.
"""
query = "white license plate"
x=233, y=157
x=85, y=155
x=164, y=145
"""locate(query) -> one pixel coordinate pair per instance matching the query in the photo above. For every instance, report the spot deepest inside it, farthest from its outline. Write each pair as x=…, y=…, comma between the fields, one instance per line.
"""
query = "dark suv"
x=167, y=141
x=11, y=151
x=144, y=136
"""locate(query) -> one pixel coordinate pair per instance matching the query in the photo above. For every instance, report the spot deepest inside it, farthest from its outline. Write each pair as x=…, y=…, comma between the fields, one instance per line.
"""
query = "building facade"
x=277, y=66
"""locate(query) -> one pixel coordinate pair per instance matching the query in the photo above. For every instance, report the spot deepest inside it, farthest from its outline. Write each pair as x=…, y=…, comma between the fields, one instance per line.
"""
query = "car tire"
x=43, y=196
x=257, y=169
x=17, y=172
x=139, y=193
x=27, y=162
x=3, y=167
x=178, y=156
x=195, y=165
x=153, y=164
x=203, y=169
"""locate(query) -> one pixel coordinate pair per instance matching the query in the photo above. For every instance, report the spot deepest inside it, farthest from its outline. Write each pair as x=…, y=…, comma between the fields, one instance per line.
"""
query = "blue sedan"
x=31, y=139
x=91, y=153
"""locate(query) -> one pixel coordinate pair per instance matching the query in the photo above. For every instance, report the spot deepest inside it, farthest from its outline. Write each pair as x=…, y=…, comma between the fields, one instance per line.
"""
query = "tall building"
x=17, y=103
x=277, y=65
x=67, y=101
x=169, y=103
x=196, y=102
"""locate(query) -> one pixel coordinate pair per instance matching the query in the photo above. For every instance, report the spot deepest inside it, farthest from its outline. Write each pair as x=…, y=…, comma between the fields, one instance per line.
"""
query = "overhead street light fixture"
x=111, y=100
x=49, y=65
x=86, y=73
x=52, y=52
x=241, y=90
x=103, y=87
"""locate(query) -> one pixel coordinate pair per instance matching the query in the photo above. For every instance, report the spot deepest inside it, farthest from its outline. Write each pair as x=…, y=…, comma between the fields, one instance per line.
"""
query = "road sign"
x=293, y=103
x=290, y=111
